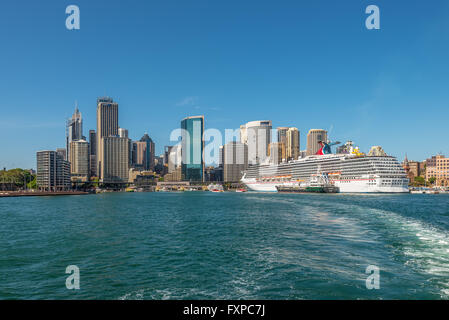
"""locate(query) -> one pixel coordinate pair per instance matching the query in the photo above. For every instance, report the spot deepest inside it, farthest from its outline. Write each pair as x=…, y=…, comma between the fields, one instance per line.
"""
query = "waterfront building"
x=413, y=169
x=114, y=160
x=134, y=175
x=276, y=152
x=53, y=172
x=79, y=160
x=257, y=136
x=92, y=153
x=214, y=174
x=159, y=167
x=74, y=129
x=107, y=126
x=292, y=144
x=313, y=137
x=192, y=144
x=174, y=176
x=438, y=167
x=235, y=156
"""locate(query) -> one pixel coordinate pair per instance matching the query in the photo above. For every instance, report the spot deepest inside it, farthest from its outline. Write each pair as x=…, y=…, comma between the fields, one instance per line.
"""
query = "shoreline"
x=7, y=194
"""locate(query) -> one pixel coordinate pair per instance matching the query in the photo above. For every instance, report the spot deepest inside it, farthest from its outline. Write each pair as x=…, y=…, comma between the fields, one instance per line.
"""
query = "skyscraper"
x=92, y=153
x=292, y=144
x=123, y=133
x=192, y=144
x=313, y=137
x=114, y=160
x=139, y=154
x=276, y=152
x=74, y=129
x=149, y=152
x=235, y=157
x=107, y=126
x=257, y=135
x=282, y=134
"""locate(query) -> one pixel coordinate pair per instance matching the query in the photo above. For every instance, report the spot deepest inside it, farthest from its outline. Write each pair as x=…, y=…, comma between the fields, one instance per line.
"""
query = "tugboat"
x=319, y=183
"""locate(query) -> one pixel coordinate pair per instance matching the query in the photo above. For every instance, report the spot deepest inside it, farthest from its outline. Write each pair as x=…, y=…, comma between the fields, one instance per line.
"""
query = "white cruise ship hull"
x=354, y=187
x=349, y=174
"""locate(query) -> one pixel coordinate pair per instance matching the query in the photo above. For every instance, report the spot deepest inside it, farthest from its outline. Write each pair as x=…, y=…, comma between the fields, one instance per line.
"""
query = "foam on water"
x=425, y=247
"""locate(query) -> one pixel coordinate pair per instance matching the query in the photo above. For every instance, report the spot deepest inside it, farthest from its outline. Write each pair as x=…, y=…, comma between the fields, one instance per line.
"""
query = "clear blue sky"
x=309, y=64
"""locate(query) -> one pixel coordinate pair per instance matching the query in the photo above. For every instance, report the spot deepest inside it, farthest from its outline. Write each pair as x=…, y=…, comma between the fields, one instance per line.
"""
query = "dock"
x=41, y=193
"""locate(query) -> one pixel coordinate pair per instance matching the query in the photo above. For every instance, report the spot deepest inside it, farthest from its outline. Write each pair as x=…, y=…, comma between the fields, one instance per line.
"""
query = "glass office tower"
x=192, y=145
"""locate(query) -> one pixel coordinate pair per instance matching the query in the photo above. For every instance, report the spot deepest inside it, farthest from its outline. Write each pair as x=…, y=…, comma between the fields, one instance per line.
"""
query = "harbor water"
x=204, y=245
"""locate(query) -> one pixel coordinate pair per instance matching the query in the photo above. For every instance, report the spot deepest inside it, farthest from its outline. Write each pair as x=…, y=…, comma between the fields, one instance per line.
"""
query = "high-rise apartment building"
x=53, y=172
x=235, y=158
x=192, y=135
x=257, y=136
x=79, y=160
x=107, y=126
x=313, y=137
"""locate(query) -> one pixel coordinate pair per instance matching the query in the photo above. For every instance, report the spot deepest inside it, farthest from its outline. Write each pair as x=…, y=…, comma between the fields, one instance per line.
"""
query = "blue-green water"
x=201, y=245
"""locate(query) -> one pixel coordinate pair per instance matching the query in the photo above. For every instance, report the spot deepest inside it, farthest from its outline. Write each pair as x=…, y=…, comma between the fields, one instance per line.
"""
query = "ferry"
x=351, y=173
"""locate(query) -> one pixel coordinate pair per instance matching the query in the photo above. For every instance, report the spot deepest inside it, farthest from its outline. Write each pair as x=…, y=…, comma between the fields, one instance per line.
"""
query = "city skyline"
x=304, y=65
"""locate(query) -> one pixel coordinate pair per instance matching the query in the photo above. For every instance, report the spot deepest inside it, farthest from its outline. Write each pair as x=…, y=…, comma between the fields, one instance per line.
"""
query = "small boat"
x=241, y=190
x=215, y=187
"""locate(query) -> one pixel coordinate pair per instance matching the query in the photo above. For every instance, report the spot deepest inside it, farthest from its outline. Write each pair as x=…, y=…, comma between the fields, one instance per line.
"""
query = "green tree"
x=32, y=184
x=419, y=181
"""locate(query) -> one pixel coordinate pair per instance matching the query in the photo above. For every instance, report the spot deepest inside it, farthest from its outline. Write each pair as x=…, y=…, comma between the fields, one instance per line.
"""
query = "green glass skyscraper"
x=192, y=166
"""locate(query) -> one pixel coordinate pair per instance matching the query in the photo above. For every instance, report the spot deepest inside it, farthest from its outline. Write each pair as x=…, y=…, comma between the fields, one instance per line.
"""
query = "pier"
x=41, y=193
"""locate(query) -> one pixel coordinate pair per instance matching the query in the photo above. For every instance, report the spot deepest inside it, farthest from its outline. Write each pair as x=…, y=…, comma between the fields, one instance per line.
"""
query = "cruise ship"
x=351, y=173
